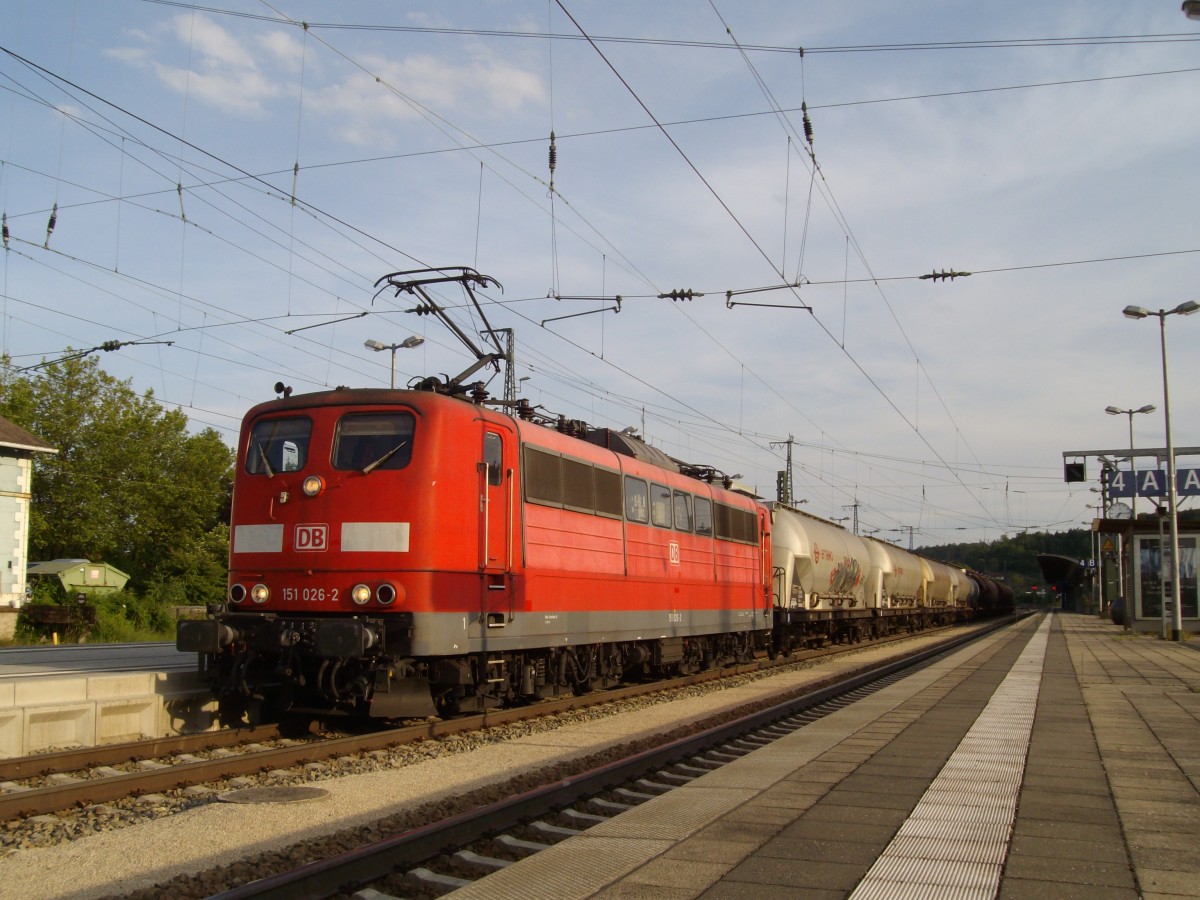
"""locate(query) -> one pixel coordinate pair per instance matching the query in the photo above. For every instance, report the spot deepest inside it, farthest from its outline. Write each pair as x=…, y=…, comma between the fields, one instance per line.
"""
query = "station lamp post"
x=407, y=344
x=1117, y=411
x=1140, y=312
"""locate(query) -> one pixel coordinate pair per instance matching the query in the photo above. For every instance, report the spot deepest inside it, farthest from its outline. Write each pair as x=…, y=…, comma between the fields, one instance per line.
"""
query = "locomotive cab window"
x=278, y=445
x=493, y=457
x=370, y=441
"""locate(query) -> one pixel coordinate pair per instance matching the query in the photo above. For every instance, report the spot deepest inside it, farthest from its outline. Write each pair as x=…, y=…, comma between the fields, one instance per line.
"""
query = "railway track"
x=431, y=860
x=49, y=783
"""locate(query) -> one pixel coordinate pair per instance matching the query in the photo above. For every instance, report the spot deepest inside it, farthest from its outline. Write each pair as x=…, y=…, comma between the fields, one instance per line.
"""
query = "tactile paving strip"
x=956, y=840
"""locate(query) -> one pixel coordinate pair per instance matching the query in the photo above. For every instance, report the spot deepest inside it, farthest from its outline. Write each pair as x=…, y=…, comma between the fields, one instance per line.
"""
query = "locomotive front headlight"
x=360, y=594
x=386, y=594
x=260, y=593
x=313, y=485
x=237, y=593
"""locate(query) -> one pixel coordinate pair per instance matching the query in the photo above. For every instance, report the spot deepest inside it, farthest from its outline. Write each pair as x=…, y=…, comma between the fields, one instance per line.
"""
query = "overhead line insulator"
x=944, y=275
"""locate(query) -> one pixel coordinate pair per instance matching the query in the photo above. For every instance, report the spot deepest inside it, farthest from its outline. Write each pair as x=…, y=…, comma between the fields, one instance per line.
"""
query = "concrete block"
x=123, y=684
x=8, y=623
x=12, y=732
x=66, y=725
x=182, y=681
x=8, y=694
x=127, y=719
x=42, y=691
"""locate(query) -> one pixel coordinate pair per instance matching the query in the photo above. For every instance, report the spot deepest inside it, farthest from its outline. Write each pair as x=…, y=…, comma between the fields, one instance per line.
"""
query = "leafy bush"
x=120, y=617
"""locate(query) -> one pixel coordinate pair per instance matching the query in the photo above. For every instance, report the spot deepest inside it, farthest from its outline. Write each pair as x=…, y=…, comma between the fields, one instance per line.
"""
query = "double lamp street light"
x=1140, y=312
x=407, y=344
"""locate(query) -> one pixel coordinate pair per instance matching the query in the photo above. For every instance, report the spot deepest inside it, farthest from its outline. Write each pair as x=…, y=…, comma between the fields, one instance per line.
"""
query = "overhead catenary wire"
x=845, y=280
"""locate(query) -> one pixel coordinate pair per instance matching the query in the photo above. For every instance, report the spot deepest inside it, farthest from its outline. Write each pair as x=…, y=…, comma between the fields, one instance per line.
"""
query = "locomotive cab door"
x=496, y=504
x=767, y=574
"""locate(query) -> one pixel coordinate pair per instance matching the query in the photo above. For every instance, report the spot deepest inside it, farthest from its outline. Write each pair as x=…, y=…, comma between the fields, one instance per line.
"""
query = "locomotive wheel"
x=236, y=711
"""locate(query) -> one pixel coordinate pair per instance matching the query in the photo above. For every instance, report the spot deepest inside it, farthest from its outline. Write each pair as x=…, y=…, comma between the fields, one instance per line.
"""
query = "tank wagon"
x=832, y=585
x=408, y=553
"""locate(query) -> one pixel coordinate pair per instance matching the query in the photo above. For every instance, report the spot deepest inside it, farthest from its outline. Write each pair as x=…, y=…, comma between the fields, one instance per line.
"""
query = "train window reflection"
x=683, y=512
x=370, y=441
x=660, y=505
x=637, y=504
x=278, y=445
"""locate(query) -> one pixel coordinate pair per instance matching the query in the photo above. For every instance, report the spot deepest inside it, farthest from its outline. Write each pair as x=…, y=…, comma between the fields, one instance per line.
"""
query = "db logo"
x=673, y=551
x=312, y=537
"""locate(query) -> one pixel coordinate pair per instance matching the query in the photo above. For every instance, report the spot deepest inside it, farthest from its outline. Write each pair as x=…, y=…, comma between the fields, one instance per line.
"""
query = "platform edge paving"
x=683, y=812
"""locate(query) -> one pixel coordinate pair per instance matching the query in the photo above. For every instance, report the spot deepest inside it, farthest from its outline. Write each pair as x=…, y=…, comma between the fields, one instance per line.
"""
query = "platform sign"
x=1151, y=483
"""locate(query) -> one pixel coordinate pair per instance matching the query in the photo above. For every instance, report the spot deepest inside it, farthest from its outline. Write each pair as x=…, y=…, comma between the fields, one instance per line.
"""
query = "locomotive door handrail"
x=488, y=498
x=497, y=488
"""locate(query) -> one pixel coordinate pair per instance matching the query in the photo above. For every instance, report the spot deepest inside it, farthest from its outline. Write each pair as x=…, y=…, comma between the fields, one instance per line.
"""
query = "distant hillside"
x=1014, y=559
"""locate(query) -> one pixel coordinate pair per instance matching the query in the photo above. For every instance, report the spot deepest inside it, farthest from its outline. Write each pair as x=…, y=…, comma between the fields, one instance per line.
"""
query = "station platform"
x=82, y=695
x=1059, y=757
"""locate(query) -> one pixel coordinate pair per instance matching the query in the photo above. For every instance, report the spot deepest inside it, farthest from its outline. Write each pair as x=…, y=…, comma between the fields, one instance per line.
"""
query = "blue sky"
x=1050, y=149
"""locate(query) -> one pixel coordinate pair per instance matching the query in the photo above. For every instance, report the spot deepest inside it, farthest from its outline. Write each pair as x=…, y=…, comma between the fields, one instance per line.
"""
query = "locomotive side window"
x=543, y=477
x=554, y=480
x=704, y=521
x=660, y=505
x=493, y=457
x=637, y=500
x=683, y=511
x=608, y=493
x=578, y=492
x=735, y=524
x=370, y=441
x=278, y=445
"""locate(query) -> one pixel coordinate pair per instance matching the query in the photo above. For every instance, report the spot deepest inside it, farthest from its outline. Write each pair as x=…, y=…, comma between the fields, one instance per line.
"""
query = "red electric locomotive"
x=404, y=553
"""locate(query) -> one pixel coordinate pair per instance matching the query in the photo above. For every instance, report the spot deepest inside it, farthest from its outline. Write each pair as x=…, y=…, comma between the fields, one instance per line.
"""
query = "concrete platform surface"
x=1057, y=758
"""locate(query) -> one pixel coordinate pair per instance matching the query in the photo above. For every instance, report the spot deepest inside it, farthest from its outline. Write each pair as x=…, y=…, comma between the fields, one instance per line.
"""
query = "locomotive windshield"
x=370, y=441
x=278, y=445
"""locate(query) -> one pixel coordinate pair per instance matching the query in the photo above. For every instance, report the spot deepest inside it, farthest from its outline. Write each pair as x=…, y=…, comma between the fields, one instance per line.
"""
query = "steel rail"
x=94, y=790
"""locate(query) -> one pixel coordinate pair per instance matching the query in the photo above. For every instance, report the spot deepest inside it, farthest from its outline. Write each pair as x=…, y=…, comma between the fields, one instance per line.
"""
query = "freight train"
x=410, y=553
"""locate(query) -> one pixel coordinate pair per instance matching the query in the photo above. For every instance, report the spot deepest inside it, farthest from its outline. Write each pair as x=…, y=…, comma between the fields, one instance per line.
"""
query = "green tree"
x=129, y=485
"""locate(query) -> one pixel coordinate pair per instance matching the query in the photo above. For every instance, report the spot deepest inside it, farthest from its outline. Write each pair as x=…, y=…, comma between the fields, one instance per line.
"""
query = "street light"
x=1117, y=411
x=1140, y=312
x=407, y=344
x=1191, y=9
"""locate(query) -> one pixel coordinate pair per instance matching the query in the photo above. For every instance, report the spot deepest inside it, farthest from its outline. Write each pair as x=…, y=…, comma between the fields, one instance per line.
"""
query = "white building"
x=17, y=447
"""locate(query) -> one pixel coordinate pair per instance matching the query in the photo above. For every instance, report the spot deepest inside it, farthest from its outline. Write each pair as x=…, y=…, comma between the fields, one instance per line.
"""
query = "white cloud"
x=366, y=104
x=222, y=71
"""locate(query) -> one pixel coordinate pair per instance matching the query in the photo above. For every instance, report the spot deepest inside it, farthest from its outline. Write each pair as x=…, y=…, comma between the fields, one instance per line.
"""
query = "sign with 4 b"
x=1151, y=483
